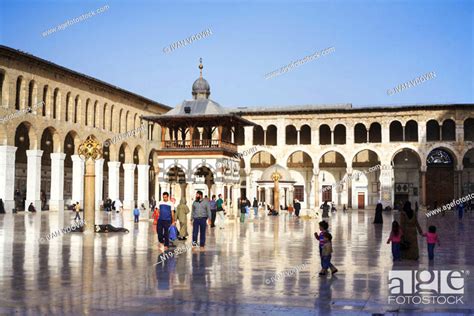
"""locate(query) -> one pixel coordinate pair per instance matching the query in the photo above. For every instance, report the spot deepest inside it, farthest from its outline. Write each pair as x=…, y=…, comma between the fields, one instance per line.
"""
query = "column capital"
x=316, y=172
x=349, y=170
x=114, y=164
x=129, y=166
x=143, y=168
x=76, y=158
x=99, y=162
x=8, y=149
x=34, y=153
x=58, y=156
x=423, y=168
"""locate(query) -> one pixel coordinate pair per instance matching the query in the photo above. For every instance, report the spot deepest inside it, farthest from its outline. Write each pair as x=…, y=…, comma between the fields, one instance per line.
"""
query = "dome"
x=284, y=173
x=201, y=86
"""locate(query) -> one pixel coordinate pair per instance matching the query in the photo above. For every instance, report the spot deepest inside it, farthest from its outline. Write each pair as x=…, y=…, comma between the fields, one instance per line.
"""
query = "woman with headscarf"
x=378, y=214
x=182, y=212
x=409, y=225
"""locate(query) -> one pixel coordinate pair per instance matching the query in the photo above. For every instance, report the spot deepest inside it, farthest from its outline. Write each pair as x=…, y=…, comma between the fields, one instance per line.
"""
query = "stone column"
x=129, y=186
x=459, y=183
x=157, y=184
x=386, y=185
x=89, y=197
x=189, y=194
x=114, y=174
x=349, y=187
x=235, y=196
x=99, y=179
x=219, y=188
x=143, y=181
x=228, y=200
x=77, y=180
x=165, y=187
x=298, y=137
x=7, y=177
x=56, y=202
x=33, y=179
x=248, y=135
x=248, y=186
x=314, y=190
x=332, y=137
x=423, y=185
x=268, y=196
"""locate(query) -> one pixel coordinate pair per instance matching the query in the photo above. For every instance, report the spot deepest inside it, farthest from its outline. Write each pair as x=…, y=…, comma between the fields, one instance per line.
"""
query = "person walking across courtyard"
x=165, y=220
x=220, y=212
x=77, y=209
x=200, y=214
x=255, y=208
x=136, y=214
x=431, y=239
x=182, y=212
x=213, y=206
x=297, y=206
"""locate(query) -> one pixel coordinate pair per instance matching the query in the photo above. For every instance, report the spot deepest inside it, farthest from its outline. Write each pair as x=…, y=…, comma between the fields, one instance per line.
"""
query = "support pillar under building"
x=77, y=180
x=7, y=177
x=33, y=179
x=56, y=202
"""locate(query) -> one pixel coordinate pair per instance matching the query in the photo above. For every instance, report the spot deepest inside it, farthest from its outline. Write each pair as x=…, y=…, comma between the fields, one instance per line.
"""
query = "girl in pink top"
x=431, y=240
x=395, y=238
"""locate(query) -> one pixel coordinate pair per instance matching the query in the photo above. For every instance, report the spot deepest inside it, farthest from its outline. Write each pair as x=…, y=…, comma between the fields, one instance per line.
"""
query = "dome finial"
x=200, y=66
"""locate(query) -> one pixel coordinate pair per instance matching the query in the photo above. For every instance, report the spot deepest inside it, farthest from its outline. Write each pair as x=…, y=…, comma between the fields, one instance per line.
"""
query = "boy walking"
x=77, y=208
x=136, y=214
x=165, y=220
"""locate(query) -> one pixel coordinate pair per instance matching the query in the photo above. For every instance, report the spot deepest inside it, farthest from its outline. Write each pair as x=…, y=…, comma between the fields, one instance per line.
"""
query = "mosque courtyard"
x=241, y=272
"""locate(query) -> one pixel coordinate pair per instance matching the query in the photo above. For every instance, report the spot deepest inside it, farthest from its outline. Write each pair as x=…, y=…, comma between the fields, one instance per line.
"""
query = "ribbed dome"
x=284, y=173
x=201, y=86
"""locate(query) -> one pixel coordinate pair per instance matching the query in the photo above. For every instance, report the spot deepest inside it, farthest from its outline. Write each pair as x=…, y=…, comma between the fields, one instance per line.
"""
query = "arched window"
x=449, y=130
x=411, y=131
x=469, y=129
x=271, y=135
x=375, y=133
x=324, y=135
x=340, y=134
x=305, y=135
x=19, y=83
x=396, y=131
x=432, y=131
x=360, y=133
x=258, y=135
x=291, y=135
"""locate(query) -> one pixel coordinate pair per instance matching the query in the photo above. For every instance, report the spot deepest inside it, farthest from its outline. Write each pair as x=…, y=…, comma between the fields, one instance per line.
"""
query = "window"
x=299, y=192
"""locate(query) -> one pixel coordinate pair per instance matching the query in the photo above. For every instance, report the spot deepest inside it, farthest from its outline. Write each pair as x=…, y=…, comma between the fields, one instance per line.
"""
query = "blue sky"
x=378, y=45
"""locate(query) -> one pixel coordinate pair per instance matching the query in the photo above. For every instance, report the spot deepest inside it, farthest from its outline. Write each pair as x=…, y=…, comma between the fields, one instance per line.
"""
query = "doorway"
x=360, y=200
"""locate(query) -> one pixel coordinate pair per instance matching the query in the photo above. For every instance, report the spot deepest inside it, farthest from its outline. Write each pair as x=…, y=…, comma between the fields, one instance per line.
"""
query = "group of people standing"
x=204, y=212
x=403, y=235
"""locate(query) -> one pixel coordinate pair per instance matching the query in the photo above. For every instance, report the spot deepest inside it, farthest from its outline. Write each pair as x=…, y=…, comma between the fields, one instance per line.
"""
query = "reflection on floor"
x=117, y=274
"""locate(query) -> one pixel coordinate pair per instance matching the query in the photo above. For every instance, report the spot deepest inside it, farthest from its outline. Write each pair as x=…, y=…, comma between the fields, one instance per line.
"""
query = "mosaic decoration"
x=439, y=156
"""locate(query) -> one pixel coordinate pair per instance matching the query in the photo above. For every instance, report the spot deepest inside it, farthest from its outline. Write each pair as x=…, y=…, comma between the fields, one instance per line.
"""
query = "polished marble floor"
x=117, y=274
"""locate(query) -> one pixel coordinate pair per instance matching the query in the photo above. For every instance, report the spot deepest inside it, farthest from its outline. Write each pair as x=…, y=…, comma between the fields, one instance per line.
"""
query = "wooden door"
x=327, y=193
x=360, y=200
